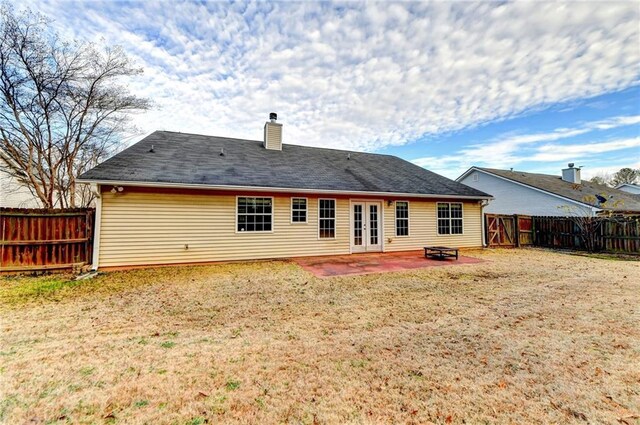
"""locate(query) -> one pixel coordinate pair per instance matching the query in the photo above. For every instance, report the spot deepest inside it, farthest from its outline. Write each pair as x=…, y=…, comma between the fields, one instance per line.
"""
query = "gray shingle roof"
x=180, y=158
x=617, y=200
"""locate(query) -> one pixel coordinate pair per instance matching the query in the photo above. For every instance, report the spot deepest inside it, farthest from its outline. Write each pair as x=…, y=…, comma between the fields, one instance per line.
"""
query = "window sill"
x=254, y=232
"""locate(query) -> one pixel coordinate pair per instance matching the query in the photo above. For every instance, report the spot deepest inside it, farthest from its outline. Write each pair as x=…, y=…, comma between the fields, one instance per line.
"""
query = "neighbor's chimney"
x=273, y=133
x=571, y=174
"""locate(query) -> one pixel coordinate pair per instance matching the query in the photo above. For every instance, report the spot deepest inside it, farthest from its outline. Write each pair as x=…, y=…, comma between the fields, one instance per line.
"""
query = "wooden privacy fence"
x=40, y=239
x=616, y=234
x=557, y=232
x=509, y=231
x=623, y=237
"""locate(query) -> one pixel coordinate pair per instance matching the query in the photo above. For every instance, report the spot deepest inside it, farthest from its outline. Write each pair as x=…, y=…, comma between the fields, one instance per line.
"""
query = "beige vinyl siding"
x=153, y=228
x=423, y=229
x=149, y=228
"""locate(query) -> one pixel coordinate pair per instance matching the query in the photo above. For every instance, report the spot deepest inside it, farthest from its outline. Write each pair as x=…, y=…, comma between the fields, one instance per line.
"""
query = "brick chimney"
x=571, y=174
x=273, y=133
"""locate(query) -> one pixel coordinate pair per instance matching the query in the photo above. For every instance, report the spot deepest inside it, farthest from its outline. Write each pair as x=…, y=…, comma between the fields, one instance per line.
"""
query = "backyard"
x=524, y=336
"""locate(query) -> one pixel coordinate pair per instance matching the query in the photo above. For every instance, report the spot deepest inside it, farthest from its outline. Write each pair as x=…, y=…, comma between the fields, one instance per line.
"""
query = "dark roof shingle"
x=181, y=158
x=585, y=192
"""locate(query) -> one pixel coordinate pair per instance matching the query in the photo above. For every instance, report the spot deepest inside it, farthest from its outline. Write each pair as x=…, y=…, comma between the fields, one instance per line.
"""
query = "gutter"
x=274, y=189
x=485, y=242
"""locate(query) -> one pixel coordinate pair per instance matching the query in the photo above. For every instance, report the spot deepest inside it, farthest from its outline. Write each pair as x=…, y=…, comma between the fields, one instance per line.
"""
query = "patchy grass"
x=529, y=336
x=141, y=403
x=20, y=289
x=168, y=344
x=232, y=385
x=612, y=256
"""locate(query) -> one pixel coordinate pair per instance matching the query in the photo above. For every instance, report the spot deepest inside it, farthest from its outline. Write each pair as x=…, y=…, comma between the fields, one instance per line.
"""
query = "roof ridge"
x=203, y=135
x=517, y=171
x=583, y=181
x=284, y=144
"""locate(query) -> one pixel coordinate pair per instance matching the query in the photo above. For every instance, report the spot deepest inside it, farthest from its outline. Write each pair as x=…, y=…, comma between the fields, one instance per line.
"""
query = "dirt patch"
x=527, y=336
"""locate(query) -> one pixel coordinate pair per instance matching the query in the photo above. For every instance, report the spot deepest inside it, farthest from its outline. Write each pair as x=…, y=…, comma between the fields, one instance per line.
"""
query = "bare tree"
x=626, y=175
x=588, y=226
x=63, y=106
x=602, y=179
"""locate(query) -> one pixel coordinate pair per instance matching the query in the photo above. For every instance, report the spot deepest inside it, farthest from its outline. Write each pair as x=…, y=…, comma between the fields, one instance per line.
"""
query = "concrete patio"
x=379, y=262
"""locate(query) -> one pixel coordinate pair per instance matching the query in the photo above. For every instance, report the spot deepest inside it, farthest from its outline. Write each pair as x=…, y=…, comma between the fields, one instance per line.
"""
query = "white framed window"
x=299, y=210
x=254, y=214
x=326, y=218
x=450, y=218
x=402, y=218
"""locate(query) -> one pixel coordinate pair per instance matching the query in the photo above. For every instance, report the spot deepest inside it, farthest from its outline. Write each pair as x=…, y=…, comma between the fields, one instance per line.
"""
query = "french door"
x=366, y=226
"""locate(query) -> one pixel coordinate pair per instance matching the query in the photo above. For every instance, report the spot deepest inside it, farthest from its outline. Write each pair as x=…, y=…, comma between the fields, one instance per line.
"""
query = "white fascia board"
x=627, y=184
x=466, y=173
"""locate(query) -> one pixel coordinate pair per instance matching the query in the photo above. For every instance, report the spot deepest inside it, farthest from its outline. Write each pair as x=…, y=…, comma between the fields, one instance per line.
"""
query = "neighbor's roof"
x=628, y=185
x=585, y=192
x=193, y=160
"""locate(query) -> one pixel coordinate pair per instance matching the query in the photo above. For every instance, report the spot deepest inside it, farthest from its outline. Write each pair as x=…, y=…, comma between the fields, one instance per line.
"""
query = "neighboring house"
x=13, y=194
x=634, y=189
x=517, y=192
x=184, y=198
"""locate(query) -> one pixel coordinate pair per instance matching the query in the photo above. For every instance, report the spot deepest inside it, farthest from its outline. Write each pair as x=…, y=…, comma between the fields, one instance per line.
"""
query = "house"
x=517, y=192
x=176, y=198
x=12, y=193
x=634, y=189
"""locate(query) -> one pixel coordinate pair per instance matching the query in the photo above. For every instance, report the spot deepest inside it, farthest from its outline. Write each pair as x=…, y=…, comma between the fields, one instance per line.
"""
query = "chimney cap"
x=571, y=164
x=273, y=116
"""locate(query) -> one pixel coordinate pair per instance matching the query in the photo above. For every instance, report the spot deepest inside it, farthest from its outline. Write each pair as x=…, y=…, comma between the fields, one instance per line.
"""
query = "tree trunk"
x=72, y=192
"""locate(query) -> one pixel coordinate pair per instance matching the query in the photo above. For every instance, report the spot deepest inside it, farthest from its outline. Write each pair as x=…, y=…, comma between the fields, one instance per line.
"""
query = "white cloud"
x=512, y=149
x=359, y=75
x=564, y=152
x=588, y=173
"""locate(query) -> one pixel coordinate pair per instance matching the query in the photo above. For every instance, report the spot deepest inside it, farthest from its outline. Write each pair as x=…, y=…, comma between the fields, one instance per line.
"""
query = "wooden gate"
x=38, y=239
x=501, y=230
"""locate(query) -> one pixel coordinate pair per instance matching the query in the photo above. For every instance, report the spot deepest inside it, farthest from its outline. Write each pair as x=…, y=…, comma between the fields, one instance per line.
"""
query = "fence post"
x=485, y=217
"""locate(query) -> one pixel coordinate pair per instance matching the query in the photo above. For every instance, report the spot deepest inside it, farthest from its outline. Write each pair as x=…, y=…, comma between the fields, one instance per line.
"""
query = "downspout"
x=95, y=188
x=483, y=204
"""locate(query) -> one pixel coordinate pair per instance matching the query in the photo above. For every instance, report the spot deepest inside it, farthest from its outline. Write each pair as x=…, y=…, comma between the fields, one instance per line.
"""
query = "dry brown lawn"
x=527, y=336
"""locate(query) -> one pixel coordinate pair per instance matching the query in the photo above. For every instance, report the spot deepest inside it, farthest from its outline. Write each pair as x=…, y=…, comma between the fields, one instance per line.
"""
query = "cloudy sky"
x=446, y=85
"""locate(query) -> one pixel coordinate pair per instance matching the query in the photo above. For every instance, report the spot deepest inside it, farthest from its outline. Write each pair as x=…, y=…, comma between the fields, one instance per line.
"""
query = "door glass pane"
x=357, y=225
x=373, y=224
